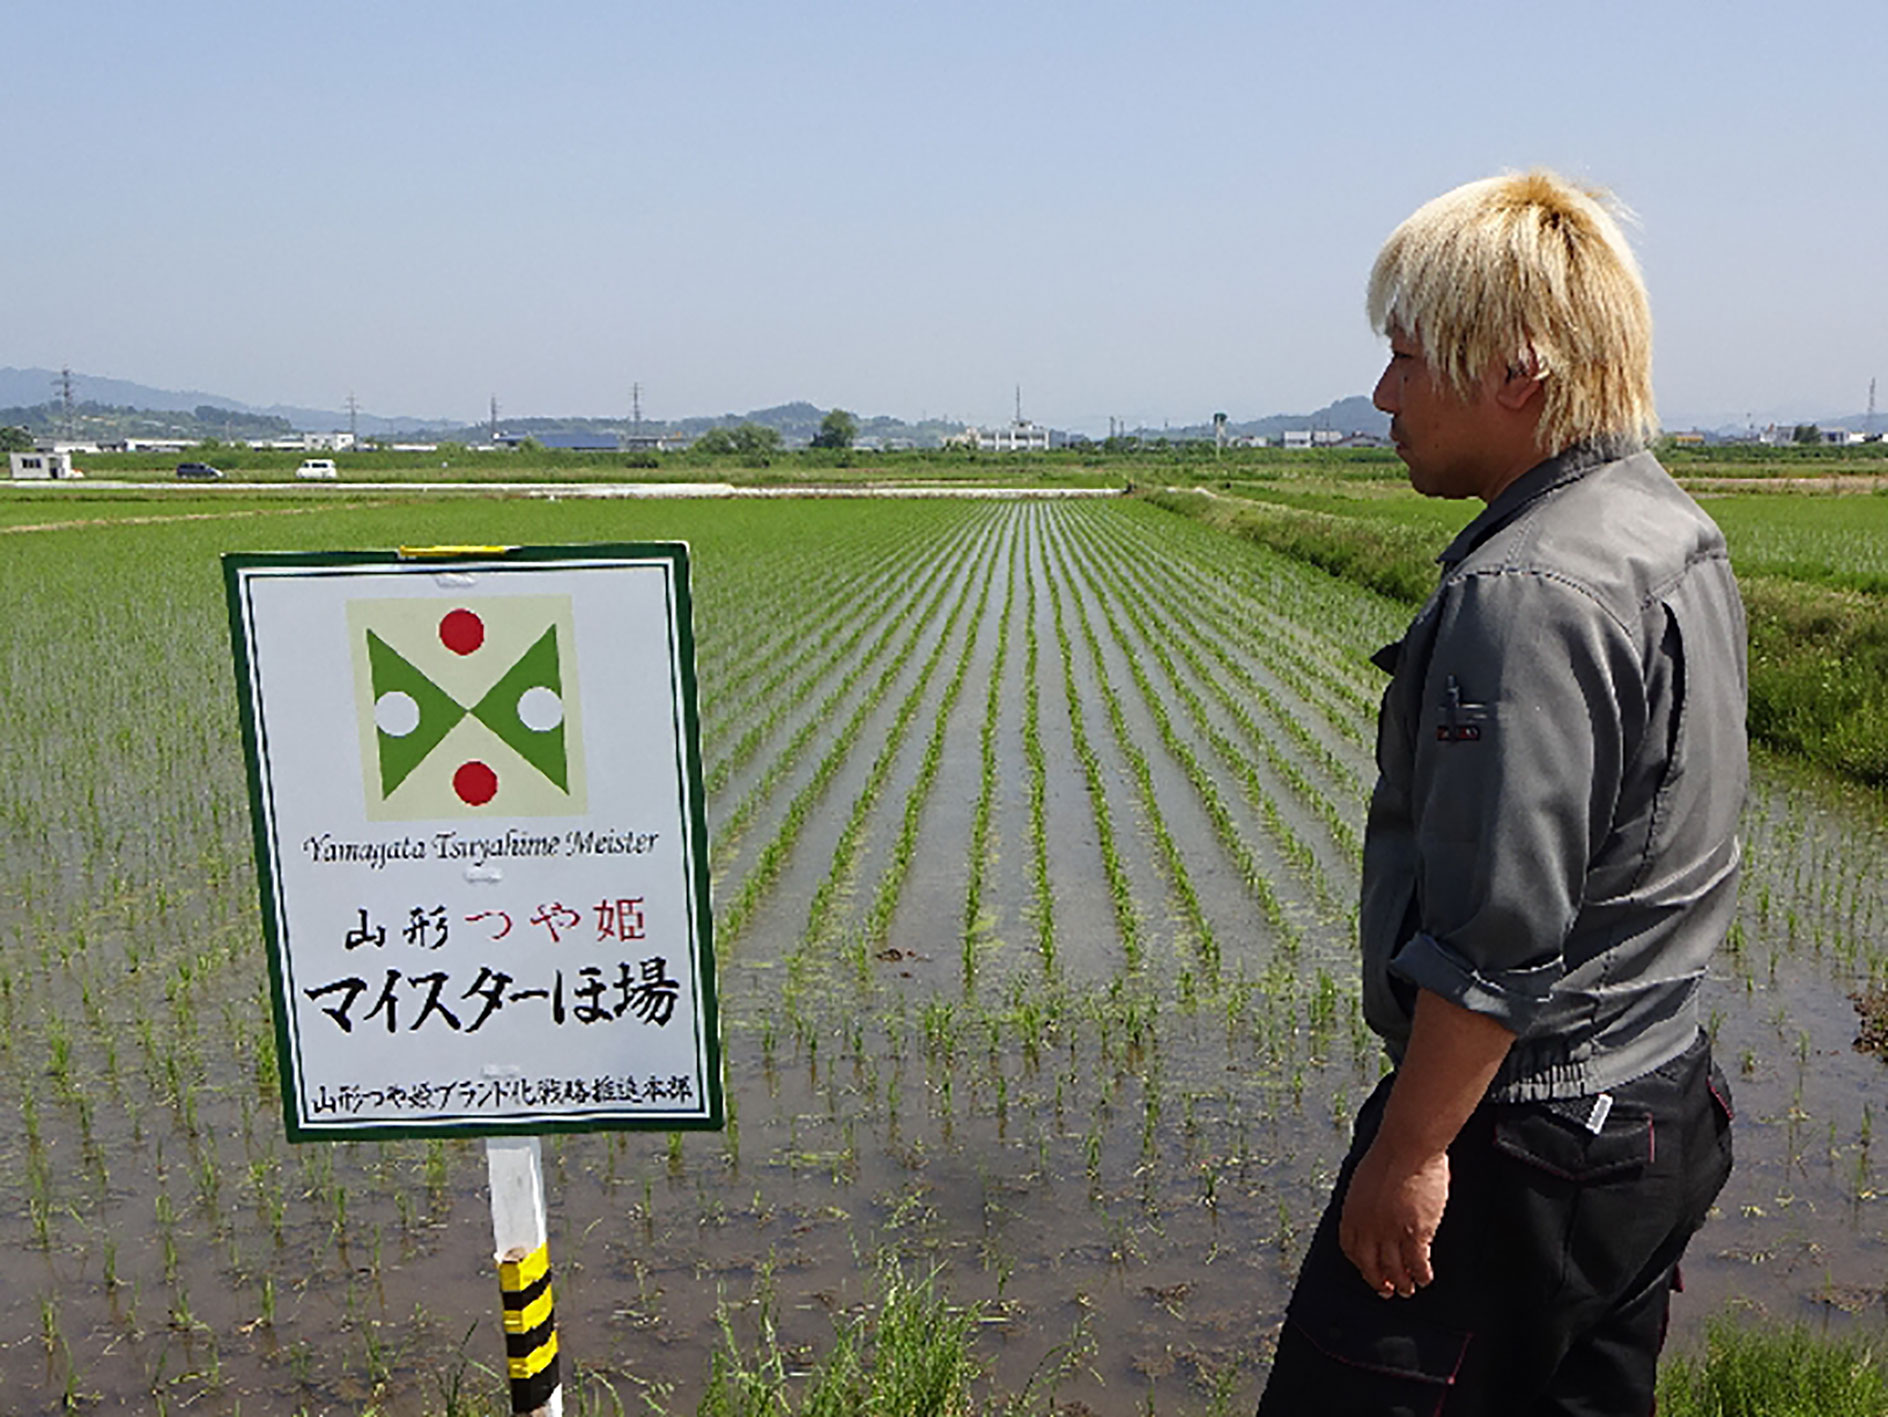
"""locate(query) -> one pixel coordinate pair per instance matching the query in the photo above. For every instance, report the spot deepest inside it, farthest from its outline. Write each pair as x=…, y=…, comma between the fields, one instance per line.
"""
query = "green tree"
x=15, y=440
x=756, y=440
x=752, y=443
x=1806, y=433
x=837, y=430
x=714, y=443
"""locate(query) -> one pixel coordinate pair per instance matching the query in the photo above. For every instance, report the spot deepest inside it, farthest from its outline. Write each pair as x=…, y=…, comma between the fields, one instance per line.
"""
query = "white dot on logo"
x=397, y=714
x=540, y=709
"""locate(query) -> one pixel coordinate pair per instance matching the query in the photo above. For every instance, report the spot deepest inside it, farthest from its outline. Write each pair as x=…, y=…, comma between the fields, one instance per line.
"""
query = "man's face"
x=1441, y=437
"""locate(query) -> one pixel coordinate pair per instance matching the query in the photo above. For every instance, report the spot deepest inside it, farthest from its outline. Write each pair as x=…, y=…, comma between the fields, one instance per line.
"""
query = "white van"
x=317, y=470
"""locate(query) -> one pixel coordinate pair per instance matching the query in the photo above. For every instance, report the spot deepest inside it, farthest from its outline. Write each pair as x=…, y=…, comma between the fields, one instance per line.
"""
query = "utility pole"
x=353, y=421
x=494, y=433
x=1871, y=405
x=635, y=408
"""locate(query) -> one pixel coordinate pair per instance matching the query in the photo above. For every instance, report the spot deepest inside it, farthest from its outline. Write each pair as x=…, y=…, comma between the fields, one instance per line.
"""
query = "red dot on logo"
x=475, y=783
x=461, y=631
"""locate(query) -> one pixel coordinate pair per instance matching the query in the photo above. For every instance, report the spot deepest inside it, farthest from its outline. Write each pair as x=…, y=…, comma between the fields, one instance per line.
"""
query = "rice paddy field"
x=1035, y=829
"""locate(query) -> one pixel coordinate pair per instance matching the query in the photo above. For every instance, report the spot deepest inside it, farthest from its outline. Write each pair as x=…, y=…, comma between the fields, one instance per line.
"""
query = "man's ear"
x=1518, y=387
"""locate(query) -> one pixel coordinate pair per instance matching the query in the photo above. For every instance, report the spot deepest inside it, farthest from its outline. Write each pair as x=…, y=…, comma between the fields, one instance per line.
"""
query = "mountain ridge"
x=25, y=391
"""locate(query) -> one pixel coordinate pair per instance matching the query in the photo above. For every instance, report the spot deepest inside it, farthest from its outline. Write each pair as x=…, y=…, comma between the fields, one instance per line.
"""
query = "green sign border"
x=426, y=562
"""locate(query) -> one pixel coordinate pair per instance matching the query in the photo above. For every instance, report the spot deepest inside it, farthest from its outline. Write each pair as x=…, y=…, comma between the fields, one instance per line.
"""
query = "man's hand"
x=1391, y=1214
x=1401, y=1186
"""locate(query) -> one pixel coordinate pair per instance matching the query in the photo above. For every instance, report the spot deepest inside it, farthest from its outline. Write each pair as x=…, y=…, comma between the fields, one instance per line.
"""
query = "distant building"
x=1022, y=436
x=339, y=442
x=653, y=442
x=42, y=466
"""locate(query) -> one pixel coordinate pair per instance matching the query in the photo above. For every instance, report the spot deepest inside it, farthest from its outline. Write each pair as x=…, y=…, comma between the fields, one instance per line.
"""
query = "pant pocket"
x=1554, y=1137
x=1344, y=1351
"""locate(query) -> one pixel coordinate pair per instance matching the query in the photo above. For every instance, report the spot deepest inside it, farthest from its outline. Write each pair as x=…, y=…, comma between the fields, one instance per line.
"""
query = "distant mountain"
x=1355, y=414
x=33, y=390
x=27, y=388
x=796, y=423
x=1732, y=425
x=23, y=388
x=31, y=396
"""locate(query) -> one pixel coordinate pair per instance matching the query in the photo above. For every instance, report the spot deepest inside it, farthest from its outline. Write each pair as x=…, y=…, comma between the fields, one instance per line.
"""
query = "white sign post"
x=475, y=777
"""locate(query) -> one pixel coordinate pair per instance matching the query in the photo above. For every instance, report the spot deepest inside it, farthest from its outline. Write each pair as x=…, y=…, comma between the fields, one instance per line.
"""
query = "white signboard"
x=476, y=782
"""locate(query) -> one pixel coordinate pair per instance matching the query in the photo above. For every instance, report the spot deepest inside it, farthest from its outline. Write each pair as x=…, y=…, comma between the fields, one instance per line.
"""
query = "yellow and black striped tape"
x=524, y=1286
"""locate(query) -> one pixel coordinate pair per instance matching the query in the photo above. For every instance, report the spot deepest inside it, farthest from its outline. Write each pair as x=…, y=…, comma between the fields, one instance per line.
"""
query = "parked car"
x=317, y=469
x=197, y=469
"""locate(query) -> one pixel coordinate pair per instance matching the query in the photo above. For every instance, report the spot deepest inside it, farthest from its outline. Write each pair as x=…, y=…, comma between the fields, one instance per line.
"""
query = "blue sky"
x=1149, y=211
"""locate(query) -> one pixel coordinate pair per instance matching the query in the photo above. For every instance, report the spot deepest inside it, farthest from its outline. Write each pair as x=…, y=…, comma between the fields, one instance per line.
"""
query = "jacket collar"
x=1568, y=465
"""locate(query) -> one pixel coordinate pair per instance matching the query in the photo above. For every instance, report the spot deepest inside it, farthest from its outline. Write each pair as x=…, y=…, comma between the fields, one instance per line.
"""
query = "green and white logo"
x=467, y=706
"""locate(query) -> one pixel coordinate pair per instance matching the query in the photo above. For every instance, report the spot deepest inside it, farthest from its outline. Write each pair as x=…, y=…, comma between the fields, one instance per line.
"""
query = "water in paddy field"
x=1035, y=836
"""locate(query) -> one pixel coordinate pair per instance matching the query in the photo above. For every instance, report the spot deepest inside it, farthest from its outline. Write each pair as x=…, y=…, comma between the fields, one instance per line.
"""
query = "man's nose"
x=1383, y=396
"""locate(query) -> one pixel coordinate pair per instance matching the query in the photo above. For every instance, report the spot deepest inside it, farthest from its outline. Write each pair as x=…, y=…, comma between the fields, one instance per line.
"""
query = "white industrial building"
x=40, y=466
x=1022, y=436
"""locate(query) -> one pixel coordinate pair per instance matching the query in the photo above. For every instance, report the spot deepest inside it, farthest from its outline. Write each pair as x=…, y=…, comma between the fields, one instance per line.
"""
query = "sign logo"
x=467, y=706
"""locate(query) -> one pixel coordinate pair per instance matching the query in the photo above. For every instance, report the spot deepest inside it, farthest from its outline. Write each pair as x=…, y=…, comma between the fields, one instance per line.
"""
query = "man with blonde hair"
x=1551, y=855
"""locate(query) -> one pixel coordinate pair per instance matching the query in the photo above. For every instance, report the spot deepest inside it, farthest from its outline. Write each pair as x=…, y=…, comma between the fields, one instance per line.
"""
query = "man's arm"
x=1400, y=1187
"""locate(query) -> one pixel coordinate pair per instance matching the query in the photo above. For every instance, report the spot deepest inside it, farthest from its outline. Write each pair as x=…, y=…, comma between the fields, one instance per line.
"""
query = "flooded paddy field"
x=1035, y=834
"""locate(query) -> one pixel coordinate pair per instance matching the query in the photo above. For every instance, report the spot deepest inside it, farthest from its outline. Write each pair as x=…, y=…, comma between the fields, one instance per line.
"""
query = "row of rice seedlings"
x=768, y=863
x=843, y=865
x=728, y=830
x=891, y=881
x=1206, y=943
x=1231, y=838
x=816, y=658
x=1311, y=610
x=1126, y=914
x=1811, y=882
x=1258, y=637
x=734, y=648
x=1042, y=903
x=986, y=772
x=1287, y=635
x=1182, y=632
x=1317, y=678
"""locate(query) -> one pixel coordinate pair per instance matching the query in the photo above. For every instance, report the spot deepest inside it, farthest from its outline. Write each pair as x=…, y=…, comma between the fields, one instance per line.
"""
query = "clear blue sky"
x=1153, y=211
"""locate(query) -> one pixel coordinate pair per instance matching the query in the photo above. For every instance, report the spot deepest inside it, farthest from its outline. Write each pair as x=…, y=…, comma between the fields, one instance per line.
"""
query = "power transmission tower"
x=494, y=436
x=64, y=385
x=353, y=411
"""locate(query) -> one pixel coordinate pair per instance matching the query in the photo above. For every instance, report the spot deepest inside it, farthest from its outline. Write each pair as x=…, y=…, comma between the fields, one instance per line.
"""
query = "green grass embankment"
x=1818, y=627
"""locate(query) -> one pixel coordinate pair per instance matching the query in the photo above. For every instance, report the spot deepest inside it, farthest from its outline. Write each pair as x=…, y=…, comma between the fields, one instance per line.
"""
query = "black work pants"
x=1554, y=1263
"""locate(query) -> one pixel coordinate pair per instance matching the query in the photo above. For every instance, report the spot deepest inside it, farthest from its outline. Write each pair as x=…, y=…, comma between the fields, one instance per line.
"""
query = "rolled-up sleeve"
x=1529, y=694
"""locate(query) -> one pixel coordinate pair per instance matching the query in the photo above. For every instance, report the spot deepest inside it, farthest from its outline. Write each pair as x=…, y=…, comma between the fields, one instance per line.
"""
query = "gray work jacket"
x=1561, y=757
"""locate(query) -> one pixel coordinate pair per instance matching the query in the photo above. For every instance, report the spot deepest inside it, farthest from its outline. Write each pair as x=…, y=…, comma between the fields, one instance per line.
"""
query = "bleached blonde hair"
x=1529, y=272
